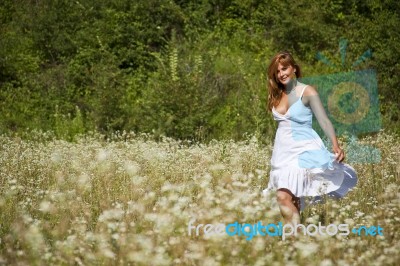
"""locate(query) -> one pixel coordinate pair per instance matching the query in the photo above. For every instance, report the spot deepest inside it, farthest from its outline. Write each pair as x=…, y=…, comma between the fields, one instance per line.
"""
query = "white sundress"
x=300, y=161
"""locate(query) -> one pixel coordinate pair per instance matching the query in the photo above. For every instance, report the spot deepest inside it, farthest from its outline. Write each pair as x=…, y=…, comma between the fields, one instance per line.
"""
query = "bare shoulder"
x=310, y=91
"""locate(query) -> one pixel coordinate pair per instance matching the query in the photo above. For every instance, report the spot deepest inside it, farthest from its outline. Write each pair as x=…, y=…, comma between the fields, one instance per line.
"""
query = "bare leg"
x=289, y=206
x=296, y=201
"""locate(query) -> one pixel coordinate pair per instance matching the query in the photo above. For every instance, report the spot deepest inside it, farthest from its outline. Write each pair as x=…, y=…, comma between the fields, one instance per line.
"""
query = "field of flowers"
x=128, y=201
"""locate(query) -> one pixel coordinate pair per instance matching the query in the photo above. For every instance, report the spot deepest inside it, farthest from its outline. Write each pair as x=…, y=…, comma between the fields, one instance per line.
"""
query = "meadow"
x=128, y=199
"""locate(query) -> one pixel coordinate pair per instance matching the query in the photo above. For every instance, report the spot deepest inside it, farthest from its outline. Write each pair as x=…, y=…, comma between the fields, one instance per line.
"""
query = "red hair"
x=275, y=88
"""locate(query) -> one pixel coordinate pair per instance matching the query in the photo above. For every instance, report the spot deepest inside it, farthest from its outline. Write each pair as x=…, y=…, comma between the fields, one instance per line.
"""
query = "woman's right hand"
x=339, y=153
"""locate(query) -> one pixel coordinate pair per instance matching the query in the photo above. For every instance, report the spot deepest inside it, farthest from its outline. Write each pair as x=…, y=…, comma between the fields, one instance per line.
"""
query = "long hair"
x=275, y=88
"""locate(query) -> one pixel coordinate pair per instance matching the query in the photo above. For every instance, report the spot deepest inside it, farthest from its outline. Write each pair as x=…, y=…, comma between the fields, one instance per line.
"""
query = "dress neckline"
x=301, y=95
x=273, y=109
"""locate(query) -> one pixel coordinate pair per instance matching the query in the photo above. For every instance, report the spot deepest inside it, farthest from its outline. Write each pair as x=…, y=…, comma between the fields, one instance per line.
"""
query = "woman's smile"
x=285, y=73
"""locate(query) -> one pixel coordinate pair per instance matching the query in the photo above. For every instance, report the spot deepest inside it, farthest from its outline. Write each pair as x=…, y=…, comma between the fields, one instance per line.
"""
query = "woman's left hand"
x=339, y=153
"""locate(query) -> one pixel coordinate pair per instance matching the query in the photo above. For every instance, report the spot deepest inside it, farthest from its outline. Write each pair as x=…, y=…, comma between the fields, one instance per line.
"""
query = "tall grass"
x=128, y=201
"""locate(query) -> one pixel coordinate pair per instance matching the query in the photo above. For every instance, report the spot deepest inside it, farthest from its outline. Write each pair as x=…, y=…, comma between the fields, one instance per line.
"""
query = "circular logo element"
x=345, y=96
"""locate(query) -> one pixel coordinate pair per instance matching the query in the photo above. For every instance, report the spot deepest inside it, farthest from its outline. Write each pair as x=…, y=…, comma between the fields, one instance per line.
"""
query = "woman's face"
x=285, y=74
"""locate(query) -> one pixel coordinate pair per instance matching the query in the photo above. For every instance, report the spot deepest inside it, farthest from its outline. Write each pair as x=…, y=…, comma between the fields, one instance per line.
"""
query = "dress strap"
x=301, y=95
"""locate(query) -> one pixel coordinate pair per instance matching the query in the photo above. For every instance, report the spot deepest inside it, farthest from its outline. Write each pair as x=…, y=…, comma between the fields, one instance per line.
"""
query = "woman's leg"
x=289, y=206
x=296, y=202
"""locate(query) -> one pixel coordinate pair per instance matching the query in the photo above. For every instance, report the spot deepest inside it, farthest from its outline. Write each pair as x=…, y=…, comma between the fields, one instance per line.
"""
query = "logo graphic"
x=351, y=101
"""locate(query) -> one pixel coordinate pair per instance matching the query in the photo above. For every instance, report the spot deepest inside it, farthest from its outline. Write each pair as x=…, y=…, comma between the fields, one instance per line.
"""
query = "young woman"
x=301, y=166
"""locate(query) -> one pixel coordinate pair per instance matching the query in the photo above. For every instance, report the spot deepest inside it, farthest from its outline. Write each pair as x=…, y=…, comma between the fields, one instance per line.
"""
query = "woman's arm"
x=312, y=99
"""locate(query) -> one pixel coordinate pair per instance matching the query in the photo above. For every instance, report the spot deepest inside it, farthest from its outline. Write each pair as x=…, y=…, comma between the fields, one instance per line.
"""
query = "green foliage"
x=186, y=69
x=66, y=126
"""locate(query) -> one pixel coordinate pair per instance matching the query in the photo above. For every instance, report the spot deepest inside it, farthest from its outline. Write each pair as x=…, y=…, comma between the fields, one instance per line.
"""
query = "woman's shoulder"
x=309, y=90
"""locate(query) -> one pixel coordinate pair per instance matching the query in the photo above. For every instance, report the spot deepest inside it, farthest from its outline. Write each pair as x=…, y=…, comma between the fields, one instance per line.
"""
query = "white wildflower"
x=306, y=249
x=132, y=168
x=45, y=206
x=102, y=155
x=113, y=214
